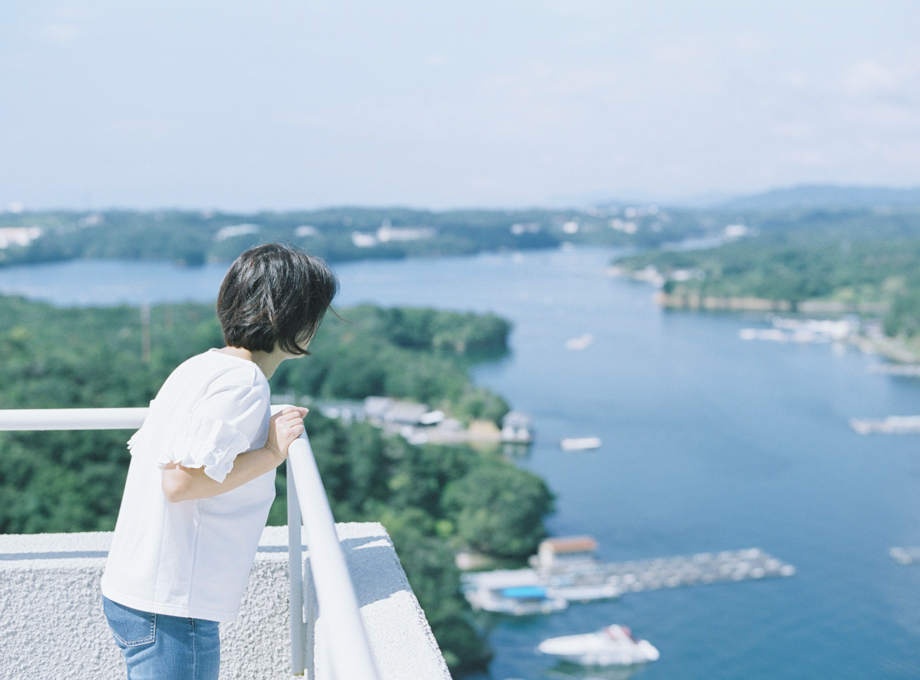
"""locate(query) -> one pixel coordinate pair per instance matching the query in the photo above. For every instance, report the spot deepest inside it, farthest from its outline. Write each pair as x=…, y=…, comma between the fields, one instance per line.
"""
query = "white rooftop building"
x=18, y=236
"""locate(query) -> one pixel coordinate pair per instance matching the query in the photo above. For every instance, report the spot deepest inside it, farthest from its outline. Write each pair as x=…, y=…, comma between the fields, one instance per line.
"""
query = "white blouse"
x=192, y=558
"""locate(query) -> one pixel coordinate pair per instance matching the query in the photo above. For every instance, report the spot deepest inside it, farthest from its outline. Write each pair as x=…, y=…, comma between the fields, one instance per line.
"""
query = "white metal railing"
x=325, y=574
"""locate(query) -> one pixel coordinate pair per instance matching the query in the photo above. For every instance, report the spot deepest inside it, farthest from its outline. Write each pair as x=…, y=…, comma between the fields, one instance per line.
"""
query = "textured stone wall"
x=51, y=622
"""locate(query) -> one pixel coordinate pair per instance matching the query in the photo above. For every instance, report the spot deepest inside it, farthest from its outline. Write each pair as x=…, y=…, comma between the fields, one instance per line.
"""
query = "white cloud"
x=543, y=80
x=749, y=43
x=62, y=33
x=870, y=77
x=797, y=130
x=888, y=116
x=796, y=80
x=807, y=158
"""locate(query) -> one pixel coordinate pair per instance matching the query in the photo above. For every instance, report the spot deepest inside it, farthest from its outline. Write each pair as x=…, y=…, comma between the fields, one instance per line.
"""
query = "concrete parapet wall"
x=51, y=622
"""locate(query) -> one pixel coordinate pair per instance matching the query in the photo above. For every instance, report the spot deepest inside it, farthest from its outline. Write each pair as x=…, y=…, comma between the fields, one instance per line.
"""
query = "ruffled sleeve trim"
x=135, y=440
x=210, y=443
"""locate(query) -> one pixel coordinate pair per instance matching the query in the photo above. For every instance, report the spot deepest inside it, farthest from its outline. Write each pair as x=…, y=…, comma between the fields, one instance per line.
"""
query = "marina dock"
x=588, y=580
x=673, y=572
x=908, y=370
x=889, y=425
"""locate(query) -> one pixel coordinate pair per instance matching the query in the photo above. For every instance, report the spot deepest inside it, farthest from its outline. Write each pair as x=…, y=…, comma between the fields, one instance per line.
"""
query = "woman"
x=201, y=479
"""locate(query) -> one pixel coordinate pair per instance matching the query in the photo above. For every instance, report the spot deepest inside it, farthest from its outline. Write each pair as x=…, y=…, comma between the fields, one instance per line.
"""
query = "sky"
x=287, y=104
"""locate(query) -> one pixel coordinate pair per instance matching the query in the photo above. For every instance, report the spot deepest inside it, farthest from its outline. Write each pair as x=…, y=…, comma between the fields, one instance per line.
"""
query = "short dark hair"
x=274, y=293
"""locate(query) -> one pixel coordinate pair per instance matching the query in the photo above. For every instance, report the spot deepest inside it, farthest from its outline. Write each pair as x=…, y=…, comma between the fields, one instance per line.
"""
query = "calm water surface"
x=710, y=443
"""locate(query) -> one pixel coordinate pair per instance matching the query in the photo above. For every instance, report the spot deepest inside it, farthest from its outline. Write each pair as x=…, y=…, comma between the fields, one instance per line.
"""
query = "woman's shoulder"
x=214, y=370
x=231, y=368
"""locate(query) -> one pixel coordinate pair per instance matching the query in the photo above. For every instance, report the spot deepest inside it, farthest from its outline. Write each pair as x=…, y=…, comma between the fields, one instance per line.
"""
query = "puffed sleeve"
x=225, y=422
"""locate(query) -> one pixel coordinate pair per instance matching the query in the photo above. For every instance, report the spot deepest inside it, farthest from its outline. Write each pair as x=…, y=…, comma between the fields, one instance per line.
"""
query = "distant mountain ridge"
x=825, y=196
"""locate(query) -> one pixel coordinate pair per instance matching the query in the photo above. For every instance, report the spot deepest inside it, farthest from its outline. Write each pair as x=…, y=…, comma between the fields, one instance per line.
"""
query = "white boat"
x=580, y=443
x=610, y=646
x=517, y=601
x=585, y=593
x=498, y=579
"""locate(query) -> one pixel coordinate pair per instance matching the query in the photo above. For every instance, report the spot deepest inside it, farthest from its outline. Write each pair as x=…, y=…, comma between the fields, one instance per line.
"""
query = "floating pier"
x=889, y=425
x=909, y=370
x=587, y=580
x=688, y=570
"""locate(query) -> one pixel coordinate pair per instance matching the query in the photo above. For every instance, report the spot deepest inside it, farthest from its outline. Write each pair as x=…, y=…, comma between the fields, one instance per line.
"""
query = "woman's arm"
x=188, y=484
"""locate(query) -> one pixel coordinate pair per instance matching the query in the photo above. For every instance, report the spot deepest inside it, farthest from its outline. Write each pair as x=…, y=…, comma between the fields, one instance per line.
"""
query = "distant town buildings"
x=517, y=428
x=519, y=229
x=419, y=424
x=626, y=227
x=306, y=230
x=387, y=232
x=92, y=220
x=236, y=230
x=18, y=236
x=733, y=231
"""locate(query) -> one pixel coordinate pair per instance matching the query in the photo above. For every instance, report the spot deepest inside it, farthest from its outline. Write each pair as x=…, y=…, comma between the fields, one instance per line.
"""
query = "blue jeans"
x=161, y=647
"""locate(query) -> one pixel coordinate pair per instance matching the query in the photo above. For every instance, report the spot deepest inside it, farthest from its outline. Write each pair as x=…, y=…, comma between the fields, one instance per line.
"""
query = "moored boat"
x=517, y=601
x=588, y=592
x=610, y=646
x=580, y=443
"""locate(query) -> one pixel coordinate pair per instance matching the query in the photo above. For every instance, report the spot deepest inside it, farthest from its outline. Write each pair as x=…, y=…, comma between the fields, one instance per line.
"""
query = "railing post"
x=295, y=574
x=351, y=655
x=310, y=614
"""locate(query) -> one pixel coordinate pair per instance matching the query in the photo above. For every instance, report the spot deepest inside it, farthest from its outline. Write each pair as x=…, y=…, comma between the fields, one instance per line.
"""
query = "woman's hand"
x=284, y=427
x=187, y=484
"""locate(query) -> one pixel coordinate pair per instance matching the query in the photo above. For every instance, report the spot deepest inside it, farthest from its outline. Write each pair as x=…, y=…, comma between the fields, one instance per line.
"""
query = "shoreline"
x=870, y=340
x=695, y=301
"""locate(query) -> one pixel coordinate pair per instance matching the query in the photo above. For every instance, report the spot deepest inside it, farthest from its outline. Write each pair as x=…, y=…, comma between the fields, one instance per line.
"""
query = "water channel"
x=710, y=443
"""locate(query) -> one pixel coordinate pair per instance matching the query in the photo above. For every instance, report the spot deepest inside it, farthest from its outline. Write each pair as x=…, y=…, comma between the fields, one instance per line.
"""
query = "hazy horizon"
x=702, y=202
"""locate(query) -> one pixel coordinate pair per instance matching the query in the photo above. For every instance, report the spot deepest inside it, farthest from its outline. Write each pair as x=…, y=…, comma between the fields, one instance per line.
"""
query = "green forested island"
x=858, y=261
x=337, y=234
x=434, y=500
x=417, y=354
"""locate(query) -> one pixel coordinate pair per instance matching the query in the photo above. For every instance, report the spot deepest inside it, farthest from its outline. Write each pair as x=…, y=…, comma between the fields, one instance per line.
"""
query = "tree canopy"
x=109, y=357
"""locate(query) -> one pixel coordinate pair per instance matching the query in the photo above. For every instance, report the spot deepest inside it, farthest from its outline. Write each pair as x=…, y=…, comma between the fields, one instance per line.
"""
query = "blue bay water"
x=709, y=443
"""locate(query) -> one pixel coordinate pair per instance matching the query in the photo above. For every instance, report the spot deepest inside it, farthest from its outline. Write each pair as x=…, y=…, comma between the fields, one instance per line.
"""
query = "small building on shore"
x=405, y=413
x=516, y=428
x=565, y=551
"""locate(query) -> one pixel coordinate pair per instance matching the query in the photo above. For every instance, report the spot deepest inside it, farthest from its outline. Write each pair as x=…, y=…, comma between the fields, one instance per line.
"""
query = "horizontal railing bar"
x=338, y=605
x=72, y=419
